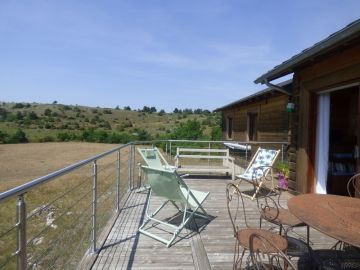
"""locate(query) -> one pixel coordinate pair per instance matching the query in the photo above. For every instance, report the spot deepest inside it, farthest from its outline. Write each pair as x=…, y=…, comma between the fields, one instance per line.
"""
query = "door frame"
x=312, y=120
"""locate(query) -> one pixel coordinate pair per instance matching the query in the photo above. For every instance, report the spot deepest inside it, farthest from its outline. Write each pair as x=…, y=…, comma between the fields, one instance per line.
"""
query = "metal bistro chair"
x=274, y=212
x=265, y=255
x=353, y=186
x=236, y=208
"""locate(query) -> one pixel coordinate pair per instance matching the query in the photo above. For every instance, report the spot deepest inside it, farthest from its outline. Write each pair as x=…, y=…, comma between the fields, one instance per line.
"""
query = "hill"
x=34, y=122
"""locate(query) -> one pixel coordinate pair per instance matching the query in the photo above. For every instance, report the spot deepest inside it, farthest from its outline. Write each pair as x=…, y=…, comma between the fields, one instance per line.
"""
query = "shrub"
x=47, y=138
x=18, y=137
x=47, y=112
x=18, y=106
x=216, y=134
x=107, y=111
x=32, y=115
x=19, y=116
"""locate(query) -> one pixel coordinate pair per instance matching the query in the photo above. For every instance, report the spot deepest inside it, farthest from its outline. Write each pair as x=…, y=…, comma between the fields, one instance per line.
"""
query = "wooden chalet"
x=259, y=117
x=326, y=122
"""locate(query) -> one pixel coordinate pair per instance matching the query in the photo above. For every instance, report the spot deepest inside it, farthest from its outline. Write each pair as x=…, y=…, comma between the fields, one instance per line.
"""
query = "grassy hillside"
x=57, y=122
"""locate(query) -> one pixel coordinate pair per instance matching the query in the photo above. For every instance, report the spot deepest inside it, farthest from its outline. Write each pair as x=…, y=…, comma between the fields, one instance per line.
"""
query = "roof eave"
x=340, y=37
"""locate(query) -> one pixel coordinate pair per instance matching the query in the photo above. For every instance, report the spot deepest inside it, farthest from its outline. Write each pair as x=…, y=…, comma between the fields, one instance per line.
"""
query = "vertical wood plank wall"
x=335, y=69
x=273, y=120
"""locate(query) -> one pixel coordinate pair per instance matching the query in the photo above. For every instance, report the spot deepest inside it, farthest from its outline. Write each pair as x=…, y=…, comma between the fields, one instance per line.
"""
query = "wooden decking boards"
x=202, y=245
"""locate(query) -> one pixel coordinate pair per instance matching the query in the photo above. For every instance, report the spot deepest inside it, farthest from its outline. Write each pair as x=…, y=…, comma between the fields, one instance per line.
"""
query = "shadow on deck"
x=203, y=245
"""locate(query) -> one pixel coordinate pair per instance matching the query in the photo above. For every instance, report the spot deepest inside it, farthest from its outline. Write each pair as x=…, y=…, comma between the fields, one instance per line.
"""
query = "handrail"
x=21, y=206
x=43, y=179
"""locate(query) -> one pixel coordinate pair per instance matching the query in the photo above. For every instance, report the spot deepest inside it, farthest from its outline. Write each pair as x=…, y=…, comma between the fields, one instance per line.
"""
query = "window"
x=252, y=126
x=229, y=127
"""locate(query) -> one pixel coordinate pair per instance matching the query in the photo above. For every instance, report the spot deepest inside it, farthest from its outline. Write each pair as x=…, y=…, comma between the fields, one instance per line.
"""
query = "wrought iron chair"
x=274, y=212
x=266, y=255
x=353, y=186
x=236, y=209
x=259, y=168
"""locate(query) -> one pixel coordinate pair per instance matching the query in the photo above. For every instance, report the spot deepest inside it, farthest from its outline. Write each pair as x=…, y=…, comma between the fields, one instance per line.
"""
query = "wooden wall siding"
x=339, y=67
x=273, y=120
x=336, y=69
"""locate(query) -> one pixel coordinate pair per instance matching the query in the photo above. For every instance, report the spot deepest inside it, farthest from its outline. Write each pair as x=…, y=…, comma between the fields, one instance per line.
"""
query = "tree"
x=146, y=109
x=176, y=110
x=216, y=134
x=127, y=108
x=3, y=114
x=188, y=111
x=54, y=102
x=191, y=130
x=161, y=112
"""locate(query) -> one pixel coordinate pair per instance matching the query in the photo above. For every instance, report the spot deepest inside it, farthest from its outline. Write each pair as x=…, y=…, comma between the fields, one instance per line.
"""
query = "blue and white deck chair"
x=258, y=169
x=170, y=187
x=153, y=158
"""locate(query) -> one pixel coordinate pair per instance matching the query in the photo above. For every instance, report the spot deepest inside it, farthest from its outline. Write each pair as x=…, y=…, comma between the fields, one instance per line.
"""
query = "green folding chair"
x=153, y=158
x=169, y=186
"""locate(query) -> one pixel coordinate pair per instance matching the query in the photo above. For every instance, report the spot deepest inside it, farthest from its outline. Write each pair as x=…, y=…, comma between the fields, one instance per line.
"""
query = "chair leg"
x=260, y=222
x=256, y=191
x=308, y=235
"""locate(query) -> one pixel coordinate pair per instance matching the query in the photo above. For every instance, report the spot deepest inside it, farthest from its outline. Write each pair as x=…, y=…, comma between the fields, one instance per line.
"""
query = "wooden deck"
x=203, y=245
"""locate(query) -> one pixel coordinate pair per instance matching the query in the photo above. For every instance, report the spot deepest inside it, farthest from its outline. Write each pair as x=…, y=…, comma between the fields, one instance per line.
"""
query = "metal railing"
x=70, y=208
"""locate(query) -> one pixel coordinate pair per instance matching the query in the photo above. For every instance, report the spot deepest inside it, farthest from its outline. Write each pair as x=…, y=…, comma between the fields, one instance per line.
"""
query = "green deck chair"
x=153, y=158
x=171, y=188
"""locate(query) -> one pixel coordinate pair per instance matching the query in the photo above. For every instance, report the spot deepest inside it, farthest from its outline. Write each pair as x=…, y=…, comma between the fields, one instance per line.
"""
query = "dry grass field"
x=58, y=212
x=23, y=162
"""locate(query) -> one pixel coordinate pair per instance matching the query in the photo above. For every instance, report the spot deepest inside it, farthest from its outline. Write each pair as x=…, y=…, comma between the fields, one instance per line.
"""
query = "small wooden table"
x=335, y=216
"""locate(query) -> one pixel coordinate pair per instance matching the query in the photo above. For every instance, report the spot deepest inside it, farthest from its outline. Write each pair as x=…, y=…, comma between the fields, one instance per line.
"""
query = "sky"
x=168, y=54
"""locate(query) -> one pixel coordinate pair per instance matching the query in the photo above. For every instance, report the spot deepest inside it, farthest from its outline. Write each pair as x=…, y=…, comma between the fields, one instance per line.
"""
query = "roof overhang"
x=330, y=43
x=286, y=88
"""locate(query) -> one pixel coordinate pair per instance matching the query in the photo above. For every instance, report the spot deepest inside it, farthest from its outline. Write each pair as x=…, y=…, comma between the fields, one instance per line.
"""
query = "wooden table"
x=335, y=216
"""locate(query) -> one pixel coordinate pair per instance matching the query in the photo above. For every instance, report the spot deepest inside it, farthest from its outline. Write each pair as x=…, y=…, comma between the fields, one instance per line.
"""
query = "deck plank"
x=210, y=248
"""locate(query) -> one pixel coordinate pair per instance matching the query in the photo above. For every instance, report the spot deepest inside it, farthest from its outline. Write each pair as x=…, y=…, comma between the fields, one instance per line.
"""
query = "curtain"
x=322, y=142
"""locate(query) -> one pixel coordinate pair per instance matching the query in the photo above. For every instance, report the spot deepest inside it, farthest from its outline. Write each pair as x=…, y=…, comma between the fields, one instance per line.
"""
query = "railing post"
x=166, y=148
x=21, y=233
x=170, y=149
x=209, y=154
x=129, y=168
x=282, y=152
x=133, y=166
x=118, y=183
x=246, y=152
x=94, y=202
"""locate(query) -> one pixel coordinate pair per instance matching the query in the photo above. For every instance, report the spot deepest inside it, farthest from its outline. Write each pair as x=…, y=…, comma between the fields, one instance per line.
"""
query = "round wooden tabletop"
x=335, y=216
